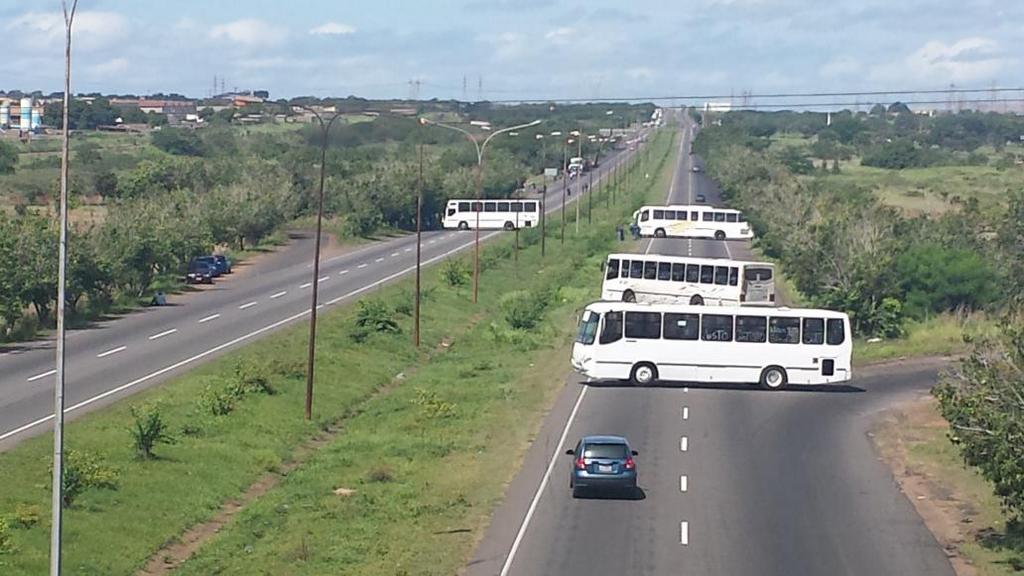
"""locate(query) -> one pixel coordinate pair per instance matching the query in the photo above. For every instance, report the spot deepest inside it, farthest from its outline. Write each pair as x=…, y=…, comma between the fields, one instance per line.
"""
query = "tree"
x=10, y=262
x=38, y=268
x=795, y=159
x=935, y=279
x=178, y=141
x=8, y=158
x=87, y=153
x=105, y=184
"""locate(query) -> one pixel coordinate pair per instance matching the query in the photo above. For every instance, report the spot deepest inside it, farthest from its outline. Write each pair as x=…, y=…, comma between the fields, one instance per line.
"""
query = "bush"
x=431, y=406
x=375, y=315
x=148, y=429
x=523, y=310
x=381, y=473
x=25, y=515
x=84, y=471
x=455, y=272
x=216, y=402
x=939, y=279
x=6, y=544
x=252, y=378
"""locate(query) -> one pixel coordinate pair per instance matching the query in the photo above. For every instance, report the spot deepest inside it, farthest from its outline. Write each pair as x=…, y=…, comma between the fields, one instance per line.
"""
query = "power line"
x=958, y=102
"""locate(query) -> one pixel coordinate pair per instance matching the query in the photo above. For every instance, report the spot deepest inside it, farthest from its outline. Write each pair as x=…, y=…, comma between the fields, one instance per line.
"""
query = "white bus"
x=493, y=214
x=773, y=347
x=692, y=222
x=660, y=279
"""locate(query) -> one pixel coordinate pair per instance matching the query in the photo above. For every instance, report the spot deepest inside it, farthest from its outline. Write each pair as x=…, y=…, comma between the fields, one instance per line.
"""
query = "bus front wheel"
x=510, y=226
x=659, y=233
x=774, y=378
x=719, y=235
x=643, y=374
x=463, y=225
x=628, y=296
x=697, y=300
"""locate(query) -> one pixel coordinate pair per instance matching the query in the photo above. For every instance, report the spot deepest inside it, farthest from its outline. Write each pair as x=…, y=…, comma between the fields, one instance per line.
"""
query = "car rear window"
x=605, y=451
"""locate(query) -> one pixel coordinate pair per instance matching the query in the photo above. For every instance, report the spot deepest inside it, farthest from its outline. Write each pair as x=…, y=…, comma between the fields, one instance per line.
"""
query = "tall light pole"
x=579, y=185
x=480, y=148
x=325, y=128
x=543, y=190
x=57, y=490
x=565, y=183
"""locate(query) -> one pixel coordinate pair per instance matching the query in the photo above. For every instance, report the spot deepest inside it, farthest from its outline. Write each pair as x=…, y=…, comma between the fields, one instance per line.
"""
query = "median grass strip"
x=216, y=458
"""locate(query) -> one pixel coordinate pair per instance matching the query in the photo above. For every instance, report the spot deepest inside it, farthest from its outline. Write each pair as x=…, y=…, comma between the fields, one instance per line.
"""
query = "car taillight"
x=580, y=464
x=629, y=463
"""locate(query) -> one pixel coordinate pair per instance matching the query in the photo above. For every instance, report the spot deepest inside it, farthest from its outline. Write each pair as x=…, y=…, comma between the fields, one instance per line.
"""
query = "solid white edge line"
x=247, y=305
x=227, y=344
x=208, y=318
x=684, y=444
x=279, y=294
x=43, y=375
x=683, y=483
x=306, y=285
x=543, y=484
x=164, y=333
x=322, y=278
x=684, y=533
x=111, y=351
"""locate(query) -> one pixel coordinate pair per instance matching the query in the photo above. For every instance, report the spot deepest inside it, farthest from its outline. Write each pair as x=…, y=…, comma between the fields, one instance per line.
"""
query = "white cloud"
x=333, y=29
x=508, y=45
x=249, y=32
x=110, y=67
x=967, y=60
x=43, y=30
x=841, y=67
x=560, y=36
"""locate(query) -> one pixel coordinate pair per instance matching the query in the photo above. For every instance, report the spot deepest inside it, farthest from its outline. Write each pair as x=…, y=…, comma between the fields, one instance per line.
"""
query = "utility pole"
x=565, y=185
x=590, y=197
x=419, y=239
x=57, y=490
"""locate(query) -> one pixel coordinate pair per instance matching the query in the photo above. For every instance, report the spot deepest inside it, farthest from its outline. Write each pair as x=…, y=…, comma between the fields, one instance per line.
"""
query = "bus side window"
x=719, y=216
x=751, y=328
x=478, y=206
x=835, y=334
x=612, y=329
x=670, y=214
x=681, y=215
x=659, y=214
x=664, y=271
x=681, y=326
x=784, y=331
x=716, y=328
x=613, y=269
x=650, y=270
x=693, y=273
x=730, y=217
x=693, y=216
x=645, y=325
x=529, y=206
x=463, y=206
x=678, y=272
x=814, y=331
x=708, y=217
x=645, y=215
x=636, y=269
x=721, y=275
x=490, y=207
x=503, y=207
x=516, y=206
x=734, y=276
x=707, y=274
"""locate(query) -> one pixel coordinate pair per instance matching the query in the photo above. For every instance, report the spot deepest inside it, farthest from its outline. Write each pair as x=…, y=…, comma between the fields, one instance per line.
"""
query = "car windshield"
x=605, y=450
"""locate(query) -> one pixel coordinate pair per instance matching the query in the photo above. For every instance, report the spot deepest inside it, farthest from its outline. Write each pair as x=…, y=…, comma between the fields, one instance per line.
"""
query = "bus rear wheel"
x=510, y=226
x=719, y=235
x=643, y=374
x=697, y=300
x=774, y=378
x=463, y=225
x=628, y=296
x=659, y=233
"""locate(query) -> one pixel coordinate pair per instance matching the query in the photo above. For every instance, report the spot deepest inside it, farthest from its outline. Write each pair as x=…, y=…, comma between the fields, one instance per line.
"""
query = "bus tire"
x=510, y=226
x=774, y=378
x=697, y=300
x=643, y=374
x=628, y=296
x=463, y=225
x=659, y=233
x=719, y=235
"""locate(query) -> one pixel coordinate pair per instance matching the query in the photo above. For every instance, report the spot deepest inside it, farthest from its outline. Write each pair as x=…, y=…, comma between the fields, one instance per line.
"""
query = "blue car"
x=602, y=462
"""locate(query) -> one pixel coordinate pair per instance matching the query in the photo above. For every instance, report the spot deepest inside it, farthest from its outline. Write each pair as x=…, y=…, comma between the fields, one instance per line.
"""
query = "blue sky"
x=521, y=48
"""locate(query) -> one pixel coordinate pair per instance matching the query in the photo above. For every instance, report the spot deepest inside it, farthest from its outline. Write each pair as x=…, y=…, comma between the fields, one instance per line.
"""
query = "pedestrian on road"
x=634, y=229
x=620, y=234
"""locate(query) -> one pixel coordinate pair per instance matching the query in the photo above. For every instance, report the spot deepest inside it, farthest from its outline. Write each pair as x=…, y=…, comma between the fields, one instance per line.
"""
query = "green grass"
x=941, y=335
x=484, y=372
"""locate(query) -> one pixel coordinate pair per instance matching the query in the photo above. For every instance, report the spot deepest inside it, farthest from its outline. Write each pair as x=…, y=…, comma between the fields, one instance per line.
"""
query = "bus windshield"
x=588, y=327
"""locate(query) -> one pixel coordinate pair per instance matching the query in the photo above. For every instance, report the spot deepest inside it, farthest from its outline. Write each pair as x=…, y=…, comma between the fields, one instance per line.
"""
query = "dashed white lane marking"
x=361, y=266
x=393, y=254
x=379, y=260
x=686, y=388
x=543, y=484
x=164, y=333
x=683, y=483
x=43, y=375
x=408, y=249
x=684, y=444
x=686, y=412
x=306, y=285
x=343, y=272
x=279, y=294
x=111, y=351
x=684, y=533
x=208, y=318
x=322, y=278
x=247, y=305
x=431, y=242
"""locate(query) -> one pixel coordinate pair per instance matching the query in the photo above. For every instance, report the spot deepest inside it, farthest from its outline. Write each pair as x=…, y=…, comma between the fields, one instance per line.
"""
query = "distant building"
x=23, y=114
x=717, y=106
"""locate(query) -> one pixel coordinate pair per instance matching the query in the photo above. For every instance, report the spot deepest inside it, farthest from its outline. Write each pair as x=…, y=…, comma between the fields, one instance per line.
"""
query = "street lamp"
x=480, y=148
x=325, y=128
x=543, y=194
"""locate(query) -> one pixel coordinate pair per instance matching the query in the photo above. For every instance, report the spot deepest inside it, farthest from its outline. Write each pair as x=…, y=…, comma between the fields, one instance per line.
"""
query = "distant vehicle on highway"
x=491, y=214
x=647, y=343
x=223, y=263
x=692, y=221
x=700, y=198
x=696, y=168
x=200, y=272
x=663, y=279
x=602, y=463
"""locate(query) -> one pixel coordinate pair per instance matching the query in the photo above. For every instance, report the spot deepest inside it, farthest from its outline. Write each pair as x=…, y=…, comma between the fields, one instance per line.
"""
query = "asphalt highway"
x=733, y=481
x=142, y=349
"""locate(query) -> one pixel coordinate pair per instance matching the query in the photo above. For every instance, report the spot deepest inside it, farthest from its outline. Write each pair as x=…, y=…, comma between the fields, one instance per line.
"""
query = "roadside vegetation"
x=144, y=205
x=366, y=487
